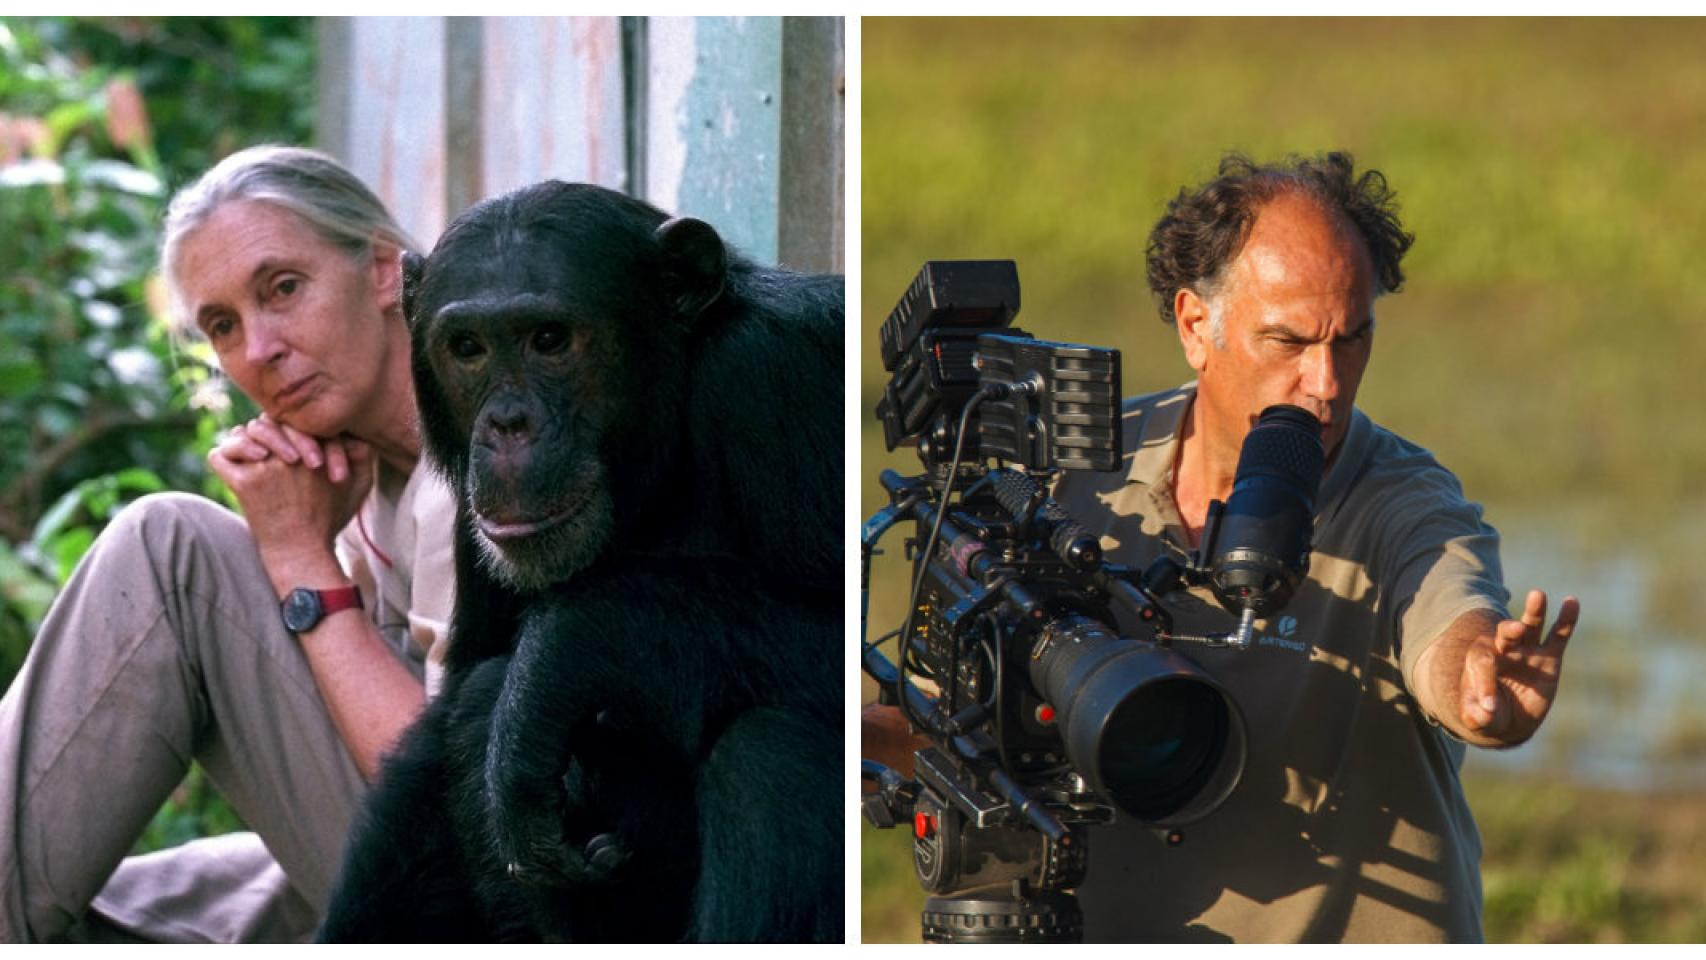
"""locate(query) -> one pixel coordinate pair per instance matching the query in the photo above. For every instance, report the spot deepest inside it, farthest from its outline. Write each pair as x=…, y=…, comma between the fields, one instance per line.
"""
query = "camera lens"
x=1160, y=746
x=1147, y=727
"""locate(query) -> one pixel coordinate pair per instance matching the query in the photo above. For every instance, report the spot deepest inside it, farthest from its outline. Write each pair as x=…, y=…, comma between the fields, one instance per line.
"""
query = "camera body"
x=949, y=337
x=1043, y=721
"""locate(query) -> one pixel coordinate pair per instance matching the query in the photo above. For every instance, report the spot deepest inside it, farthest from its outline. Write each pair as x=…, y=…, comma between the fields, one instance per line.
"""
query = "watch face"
x=301, y=610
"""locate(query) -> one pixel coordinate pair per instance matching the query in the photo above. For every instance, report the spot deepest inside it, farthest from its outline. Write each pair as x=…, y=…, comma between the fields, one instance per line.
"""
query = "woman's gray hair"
x=333, y=202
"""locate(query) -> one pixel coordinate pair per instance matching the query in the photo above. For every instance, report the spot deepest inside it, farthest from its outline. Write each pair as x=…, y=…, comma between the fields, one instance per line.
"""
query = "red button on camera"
x=923, y=825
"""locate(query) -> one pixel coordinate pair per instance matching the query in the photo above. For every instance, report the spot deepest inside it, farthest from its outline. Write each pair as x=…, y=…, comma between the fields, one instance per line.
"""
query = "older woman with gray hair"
x=284, y=649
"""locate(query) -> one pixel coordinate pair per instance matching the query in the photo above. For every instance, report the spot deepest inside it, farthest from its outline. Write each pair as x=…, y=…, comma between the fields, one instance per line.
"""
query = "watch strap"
x=304, y=608
x=339, y=598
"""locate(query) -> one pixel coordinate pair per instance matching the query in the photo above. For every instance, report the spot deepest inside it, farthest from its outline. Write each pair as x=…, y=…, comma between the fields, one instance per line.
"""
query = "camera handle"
x=870, y=533
x=1166, y=574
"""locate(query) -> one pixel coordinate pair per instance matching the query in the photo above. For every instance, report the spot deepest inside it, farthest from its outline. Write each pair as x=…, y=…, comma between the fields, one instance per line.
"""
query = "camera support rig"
x=1013, y=636
x=1045, y=721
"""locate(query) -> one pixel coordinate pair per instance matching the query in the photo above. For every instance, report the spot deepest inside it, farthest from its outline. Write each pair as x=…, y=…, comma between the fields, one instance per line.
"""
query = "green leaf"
x=68, y=548
x=63, y=120
x=22, y=589
x=57, y=517
x=18, y=376
x=139, y=480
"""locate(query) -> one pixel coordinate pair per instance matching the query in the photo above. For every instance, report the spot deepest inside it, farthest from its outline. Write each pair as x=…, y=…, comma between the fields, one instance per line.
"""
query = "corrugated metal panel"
x=735, y=120
x=395, y=136
x=809, y=199
x=713, y=132
x=552, y=104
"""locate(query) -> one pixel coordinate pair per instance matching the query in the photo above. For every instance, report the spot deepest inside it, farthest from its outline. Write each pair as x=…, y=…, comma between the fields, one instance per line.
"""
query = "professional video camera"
x=1044, y=720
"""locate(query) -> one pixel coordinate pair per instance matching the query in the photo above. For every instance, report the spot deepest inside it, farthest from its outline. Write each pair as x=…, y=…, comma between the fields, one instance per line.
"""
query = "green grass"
x=1565, y=864
x=1548, y=342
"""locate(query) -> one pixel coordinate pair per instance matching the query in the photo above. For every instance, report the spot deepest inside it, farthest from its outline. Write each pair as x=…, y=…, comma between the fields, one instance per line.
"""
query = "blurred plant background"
x=100, y=120
x=1548, y=345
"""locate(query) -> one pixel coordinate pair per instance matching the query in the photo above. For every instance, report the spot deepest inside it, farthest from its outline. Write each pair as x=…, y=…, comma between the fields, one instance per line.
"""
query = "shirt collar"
x=1158, y=439
x=1157, y=449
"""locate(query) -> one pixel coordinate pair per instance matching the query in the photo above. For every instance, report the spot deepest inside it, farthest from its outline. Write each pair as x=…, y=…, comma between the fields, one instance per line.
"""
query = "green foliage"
x=213, y=84
x=66, y=530
x=100, y=119
x=195, y=809
x=24, y=598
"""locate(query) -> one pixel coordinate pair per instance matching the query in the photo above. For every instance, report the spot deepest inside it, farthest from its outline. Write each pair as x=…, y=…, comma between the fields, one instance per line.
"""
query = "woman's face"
x=298, y=324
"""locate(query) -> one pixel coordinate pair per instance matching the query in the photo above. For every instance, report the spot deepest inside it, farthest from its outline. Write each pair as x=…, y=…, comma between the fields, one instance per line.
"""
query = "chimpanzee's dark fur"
x=672, y=695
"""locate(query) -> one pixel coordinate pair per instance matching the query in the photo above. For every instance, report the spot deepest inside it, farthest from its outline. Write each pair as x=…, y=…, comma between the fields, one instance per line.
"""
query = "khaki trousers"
x=167, y=646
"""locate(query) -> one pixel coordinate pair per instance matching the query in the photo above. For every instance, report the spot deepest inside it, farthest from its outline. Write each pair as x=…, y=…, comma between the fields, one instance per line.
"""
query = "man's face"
x=1297, y=305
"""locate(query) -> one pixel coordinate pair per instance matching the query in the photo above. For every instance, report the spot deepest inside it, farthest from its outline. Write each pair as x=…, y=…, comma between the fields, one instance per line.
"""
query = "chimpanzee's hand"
x=549, y=831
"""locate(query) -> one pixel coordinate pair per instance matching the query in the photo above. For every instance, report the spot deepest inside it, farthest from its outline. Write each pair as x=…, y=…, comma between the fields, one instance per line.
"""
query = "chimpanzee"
x=639, y=736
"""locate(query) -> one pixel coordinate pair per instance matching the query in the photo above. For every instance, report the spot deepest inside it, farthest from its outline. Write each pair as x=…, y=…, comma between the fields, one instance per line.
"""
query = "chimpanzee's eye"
x=551, y=338
x=465, y=346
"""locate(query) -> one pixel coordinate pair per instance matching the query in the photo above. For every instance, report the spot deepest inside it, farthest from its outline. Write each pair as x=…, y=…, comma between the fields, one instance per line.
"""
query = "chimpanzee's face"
x=548, y=344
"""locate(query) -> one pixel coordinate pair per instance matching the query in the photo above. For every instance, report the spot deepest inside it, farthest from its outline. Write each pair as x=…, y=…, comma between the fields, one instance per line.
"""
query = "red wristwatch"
x=303, y=608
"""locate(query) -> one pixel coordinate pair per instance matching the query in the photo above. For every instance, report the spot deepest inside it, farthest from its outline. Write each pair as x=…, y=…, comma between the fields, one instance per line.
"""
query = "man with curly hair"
x=1359, y=697
x=1350, y=822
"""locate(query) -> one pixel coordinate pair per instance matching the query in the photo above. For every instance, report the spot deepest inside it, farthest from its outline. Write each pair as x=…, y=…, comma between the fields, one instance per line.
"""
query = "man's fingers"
x=1513, y=634
x=1509, y=636
x=1480, y=688
x=1568, y=611
x=1534, y=609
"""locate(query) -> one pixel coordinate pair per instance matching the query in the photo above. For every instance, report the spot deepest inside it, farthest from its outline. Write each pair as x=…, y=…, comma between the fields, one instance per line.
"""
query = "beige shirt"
x=399, y=550
x=1349, y=822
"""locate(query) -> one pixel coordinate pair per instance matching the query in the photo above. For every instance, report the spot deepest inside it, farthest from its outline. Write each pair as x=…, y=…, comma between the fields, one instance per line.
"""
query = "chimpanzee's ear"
x=413, y=264
x=697, y=264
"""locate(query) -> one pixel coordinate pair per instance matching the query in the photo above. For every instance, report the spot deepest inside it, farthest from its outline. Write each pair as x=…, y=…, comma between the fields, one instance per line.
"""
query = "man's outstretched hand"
x=1491, y=681
x=1511, y=677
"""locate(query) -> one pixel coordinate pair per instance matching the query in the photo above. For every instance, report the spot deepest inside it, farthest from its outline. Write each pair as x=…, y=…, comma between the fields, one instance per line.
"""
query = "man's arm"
x=887, y=738
x=1490, y=681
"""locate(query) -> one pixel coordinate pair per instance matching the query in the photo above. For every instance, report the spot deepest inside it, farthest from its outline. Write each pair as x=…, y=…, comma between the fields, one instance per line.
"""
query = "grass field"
x=1548, y=344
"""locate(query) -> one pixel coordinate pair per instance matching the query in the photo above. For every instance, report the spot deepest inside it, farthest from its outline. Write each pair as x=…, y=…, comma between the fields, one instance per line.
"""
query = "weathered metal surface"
x=733, y=119
x=395, y=133
x=464, y=117
x=331, y=85
x=713, y=134
x=552, y=103
x=810, y=210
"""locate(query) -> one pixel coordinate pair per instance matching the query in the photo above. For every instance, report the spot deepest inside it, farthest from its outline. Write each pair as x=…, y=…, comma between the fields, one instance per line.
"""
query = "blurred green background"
x=100, y=120
x=1548, y=345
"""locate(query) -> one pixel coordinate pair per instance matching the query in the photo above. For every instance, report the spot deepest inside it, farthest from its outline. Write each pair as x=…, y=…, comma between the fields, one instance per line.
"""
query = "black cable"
x=989, y=390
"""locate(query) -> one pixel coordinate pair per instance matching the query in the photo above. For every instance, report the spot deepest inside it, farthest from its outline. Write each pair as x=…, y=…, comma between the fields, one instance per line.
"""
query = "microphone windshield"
x=1259, y=550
